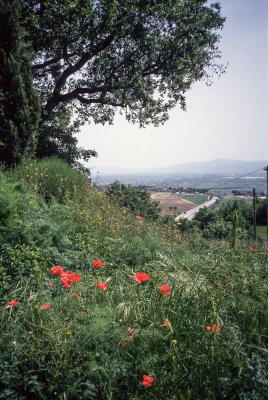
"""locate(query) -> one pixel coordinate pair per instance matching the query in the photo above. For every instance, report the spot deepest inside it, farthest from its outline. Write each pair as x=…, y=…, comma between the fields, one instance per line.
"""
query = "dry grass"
x=168, y=200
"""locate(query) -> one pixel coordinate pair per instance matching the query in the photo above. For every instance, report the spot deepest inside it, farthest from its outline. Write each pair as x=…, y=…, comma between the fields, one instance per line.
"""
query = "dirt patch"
x=171, y=203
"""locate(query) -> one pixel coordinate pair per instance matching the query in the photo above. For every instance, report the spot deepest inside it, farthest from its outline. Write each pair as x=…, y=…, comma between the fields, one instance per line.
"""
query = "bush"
x=52, y=177
x=138, y=201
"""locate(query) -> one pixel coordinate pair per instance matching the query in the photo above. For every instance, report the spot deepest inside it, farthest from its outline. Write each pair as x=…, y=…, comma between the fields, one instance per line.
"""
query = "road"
x=191, y=213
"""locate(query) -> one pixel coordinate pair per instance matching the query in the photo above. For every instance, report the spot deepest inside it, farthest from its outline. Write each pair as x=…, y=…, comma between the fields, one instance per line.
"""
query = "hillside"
x=220, y=167
x=99, y=304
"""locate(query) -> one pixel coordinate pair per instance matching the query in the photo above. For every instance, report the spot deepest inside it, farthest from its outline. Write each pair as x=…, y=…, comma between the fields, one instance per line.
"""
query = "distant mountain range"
x=219, y=167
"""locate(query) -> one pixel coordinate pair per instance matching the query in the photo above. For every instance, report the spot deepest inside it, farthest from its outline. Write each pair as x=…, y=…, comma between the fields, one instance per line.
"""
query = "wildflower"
x=74, y=278
x=102, y=286
x=141, y=277
x=58, y=270
x=147, y=380
x=124, y=345
x=97, y=263
x=81, y=312
x=174, y=341
x=214, y=328
x=138, y=217
x=76, y=295
x=130, y=333
x=49, y=284
x=250, y=248
x=166, y=323
x=13, y=303
x=69, y=333
x=66, y=282
x=46, y=307
x=165, y=289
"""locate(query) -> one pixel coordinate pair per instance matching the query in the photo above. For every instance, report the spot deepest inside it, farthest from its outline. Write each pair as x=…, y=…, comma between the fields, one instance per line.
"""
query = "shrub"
x=52, y=177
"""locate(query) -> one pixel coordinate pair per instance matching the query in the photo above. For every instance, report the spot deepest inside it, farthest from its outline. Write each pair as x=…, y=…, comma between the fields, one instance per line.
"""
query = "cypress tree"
x=19, y=104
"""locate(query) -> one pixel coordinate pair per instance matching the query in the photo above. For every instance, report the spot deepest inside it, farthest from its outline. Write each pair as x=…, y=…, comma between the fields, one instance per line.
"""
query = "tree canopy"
x=19, y=106
x=138, y=56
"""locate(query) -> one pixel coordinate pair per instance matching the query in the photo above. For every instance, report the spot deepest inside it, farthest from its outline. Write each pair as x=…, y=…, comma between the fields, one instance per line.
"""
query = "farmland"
x=172, y=203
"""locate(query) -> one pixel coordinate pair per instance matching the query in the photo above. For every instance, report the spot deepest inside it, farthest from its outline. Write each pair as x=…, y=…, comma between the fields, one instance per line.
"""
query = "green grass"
x=95, y=344
x=261, y=231
x=223, y=201
x=194, y=198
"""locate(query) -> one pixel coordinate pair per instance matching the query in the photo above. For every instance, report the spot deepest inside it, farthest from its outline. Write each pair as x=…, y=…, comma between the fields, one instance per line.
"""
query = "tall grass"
x=96, y=344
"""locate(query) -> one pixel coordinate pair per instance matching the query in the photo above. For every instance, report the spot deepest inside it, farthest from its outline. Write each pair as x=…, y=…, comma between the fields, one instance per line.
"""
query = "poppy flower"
x=124, y=345
x=147, y=380
x=97, y=263
x=45, y=307
x=216, y=328
x=141, y=277
x=166, y=323
x=138, y=217
x=66, y=281
x=208, y=328
x=130, y=333
x=102, y=286
x=74, y=278
x=81, y=312
x=13, y=303
x=49, y=284
x=250, y=248
x=58, y=270
x=76, y=295
x=165, y=289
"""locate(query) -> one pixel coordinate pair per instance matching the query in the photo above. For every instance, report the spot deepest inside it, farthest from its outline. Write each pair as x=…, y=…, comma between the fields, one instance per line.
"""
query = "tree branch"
x=98, y=101
x=72, y=69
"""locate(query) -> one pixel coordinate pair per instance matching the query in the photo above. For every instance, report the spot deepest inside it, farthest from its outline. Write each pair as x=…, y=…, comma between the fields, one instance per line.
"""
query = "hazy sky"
x=226, y=120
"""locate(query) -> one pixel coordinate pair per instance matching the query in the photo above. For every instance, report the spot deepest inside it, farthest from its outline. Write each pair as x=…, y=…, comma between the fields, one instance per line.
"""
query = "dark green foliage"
x=56, y=137
x=139, y=56
x=261, y=211
x=138, y=201
x=19, y=107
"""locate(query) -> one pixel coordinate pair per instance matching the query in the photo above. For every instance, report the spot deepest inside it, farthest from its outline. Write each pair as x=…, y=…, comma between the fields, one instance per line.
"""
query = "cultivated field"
x=168, y=200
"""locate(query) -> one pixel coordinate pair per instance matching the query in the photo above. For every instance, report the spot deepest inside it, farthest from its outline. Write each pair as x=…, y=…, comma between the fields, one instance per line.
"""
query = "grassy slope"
x=99, y=344
x=194, y=198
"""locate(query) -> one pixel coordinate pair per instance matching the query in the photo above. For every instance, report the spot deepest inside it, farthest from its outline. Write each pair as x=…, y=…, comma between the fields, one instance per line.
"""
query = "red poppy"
x=81, y=312
x=13, y=303
x=58, y=270
x=76, y=295
x=166, y=323
x=49, y=284
x=138, y=217
x=216, y=328
x=131, y=333
x=147, y=380
x=141, y=277
x=66, y=281
x=208, y=328
x=250, y=248
x=74, y=278
x=45, y=307
x=124, y=345
x=102, y=286
x=165, y=289
x=97, y=263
